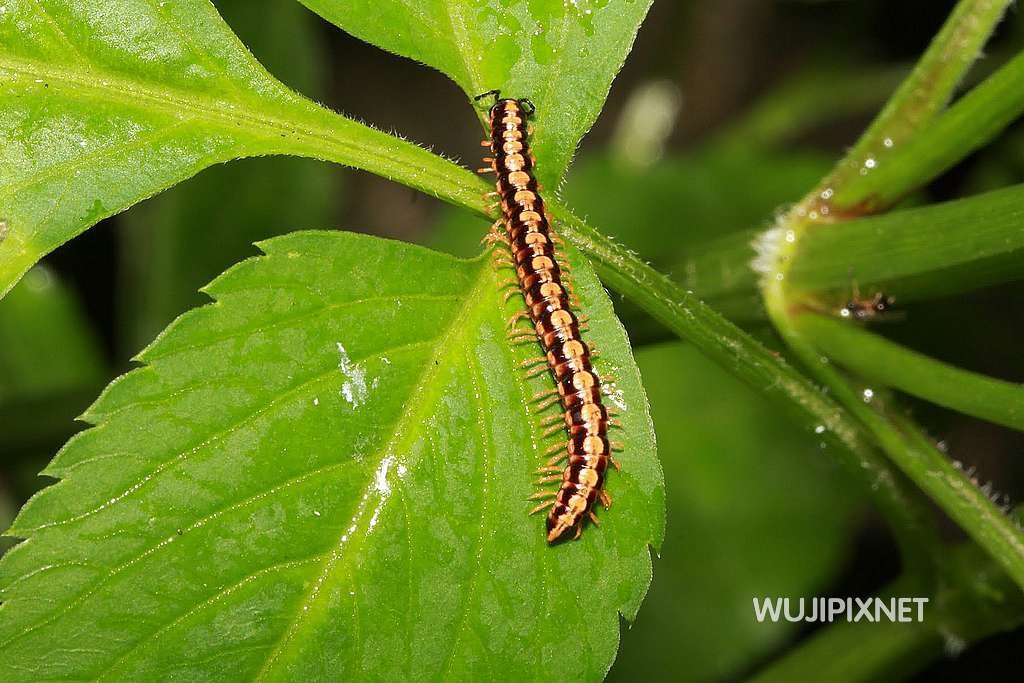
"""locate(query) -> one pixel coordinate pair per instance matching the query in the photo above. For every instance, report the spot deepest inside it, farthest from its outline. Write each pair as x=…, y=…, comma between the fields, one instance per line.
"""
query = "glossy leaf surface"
x=561, y=55
x=323, y=473
x=109, y=102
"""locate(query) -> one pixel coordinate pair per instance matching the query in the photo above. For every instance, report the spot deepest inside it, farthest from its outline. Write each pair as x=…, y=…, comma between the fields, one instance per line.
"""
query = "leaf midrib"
x=301, y=127
x=419, y=401
x=127, y=91
x=112, y=571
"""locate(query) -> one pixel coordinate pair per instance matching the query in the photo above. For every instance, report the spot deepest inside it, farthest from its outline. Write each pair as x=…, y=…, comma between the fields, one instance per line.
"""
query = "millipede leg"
x=500, y=262
x=482, y=171
x=555, y=428
x=579, y=530
x=593, y=517
x=547, y=469
x=485, y=143
x=517, y=339
x=555, y=448
x=615, y=463
x=514, y=320
x=539, y=370
x=557, y=458
x=605, y=499
x=612, y=411
x=544, y=405
x=616, y=445
x=546, y=393
x=542, y=506
x=509, y=282
x=494, y=234
x=511, y=293
x=551, y=419
x=548, y=479
x=541, y=495
x=530, y=362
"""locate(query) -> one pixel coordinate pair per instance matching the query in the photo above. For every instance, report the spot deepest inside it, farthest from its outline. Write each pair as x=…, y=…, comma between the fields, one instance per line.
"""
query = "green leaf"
x=109, y=102
x=561, y=55
x=918, y=253
x=325, y=473
x=753, y=512
x=174, y=243
x=879, y=360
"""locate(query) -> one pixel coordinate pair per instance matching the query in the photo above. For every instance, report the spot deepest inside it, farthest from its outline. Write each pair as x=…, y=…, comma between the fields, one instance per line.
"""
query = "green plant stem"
x=767, y=372
x=914, y=254
x=966, y=126
x=877, y=359
x=917, y=253
x=917, y=101
x=907, y=449
x=925, y=92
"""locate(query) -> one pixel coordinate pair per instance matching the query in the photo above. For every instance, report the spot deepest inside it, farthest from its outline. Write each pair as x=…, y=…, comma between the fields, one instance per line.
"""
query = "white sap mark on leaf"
x=354, y=390
x=380, y=478
x=383, y=487
x=615, y=395
x=611, y=390
x=316, y=400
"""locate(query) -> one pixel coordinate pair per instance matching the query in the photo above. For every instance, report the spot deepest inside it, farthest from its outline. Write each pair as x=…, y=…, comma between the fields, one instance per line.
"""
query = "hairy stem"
x=926, y=91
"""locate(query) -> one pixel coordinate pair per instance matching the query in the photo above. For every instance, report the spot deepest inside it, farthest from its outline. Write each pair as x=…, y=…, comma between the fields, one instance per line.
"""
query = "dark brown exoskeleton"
x=539, y=276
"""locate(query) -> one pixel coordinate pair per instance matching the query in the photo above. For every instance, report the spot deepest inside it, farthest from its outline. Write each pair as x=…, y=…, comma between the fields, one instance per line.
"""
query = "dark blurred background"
x=725, y=111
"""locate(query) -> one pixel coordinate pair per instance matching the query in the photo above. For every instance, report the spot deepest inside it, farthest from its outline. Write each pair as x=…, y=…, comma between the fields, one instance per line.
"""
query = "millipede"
x=543, y=281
